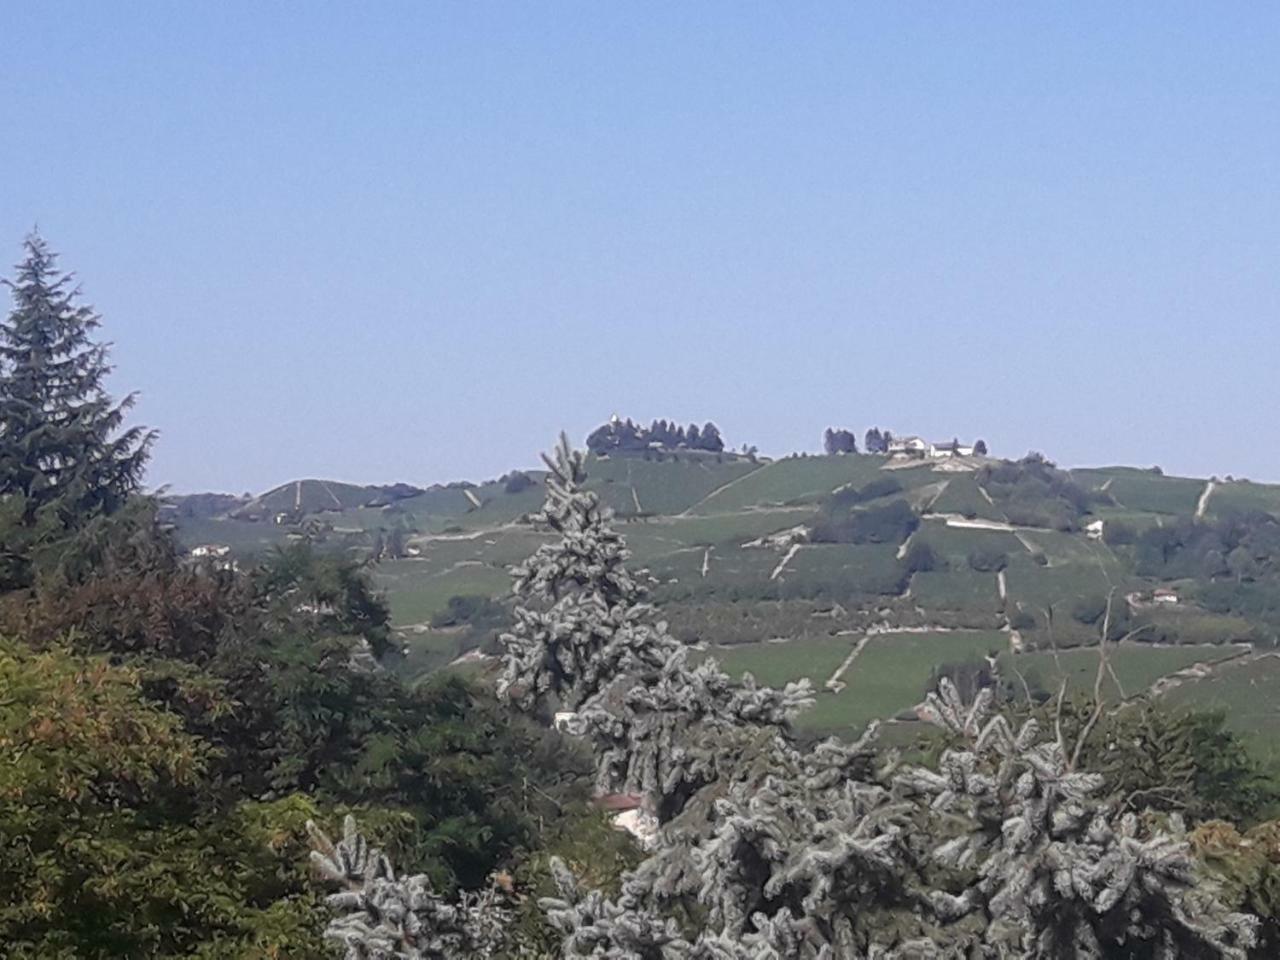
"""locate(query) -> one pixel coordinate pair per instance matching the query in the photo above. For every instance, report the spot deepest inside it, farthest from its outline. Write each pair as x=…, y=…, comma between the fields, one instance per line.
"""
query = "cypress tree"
x=65, y=457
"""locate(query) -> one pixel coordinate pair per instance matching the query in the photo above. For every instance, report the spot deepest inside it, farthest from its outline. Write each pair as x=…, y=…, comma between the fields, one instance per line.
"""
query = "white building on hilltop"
x=917, y=448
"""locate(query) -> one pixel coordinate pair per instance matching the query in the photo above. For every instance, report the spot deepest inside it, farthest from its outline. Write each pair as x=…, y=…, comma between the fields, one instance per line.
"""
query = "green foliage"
x=1183, y=762
x=1033, y=492
x=470, y=609
x=331, y=594
x=106, y=852
x=988, y=560
x=1244, y=547
x=65, y=456
x=922, y=558
x=892, y=523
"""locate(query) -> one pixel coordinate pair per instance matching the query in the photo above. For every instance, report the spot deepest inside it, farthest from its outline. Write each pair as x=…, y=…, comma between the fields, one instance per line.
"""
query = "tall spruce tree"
x=65, y=456
x=581, y=620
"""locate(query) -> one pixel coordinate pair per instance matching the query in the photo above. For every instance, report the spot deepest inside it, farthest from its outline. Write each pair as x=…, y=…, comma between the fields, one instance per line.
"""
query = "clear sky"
x=413, y=241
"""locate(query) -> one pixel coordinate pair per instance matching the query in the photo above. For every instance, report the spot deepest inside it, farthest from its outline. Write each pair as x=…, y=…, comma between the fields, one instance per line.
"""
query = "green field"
x=1144, y=491
x=1243, y=496
x=416, y=592
x=892, y=675
x=796, y=480
x=1248, y=693
x=1135, y=667
x=962, y=495
x=634, y=485
x=776, y=664
x=958, y=588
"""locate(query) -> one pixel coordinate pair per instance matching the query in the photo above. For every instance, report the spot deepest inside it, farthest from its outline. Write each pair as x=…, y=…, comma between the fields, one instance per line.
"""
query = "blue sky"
x=413, y=241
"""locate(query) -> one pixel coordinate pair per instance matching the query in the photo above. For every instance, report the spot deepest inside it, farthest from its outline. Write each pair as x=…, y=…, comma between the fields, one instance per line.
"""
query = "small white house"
x=1164, y=595
x=942, y=451
x=909, y=447
x=1094, y=529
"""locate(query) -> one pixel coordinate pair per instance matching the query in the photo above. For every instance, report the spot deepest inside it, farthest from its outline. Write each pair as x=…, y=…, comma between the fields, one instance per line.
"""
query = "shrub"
x=1021, y=619
x=1089, y=610
x=892, y=523
x=516, y=481
x=988, y=560
x=922, y=558
x=1116, y=533
x=469, y=608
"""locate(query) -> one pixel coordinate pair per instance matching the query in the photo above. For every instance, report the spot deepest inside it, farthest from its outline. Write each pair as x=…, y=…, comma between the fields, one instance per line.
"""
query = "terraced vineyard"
x=725, y=540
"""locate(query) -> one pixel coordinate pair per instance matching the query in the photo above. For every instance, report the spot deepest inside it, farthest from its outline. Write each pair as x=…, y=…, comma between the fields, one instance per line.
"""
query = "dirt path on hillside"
x=834, y=683
x=725, y=486
x=635, y=498
x=1201, y=670
x=1203, y=502
x=1000, y=584
x=782, y=564
x=332, y=496
x=902, y=550
x=706, y=562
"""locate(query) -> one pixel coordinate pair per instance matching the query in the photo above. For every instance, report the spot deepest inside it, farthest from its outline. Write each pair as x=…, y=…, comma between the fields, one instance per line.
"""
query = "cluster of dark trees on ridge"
x=624, y=436
x=171, y=728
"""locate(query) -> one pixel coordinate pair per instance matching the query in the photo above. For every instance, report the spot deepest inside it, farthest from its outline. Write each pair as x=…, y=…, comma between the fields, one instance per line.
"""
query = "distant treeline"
x=625, y=435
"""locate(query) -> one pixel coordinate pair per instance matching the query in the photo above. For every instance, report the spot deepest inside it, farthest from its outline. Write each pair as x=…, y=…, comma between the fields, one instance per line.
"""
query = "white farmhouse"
x=952, y=448
x=909, y=447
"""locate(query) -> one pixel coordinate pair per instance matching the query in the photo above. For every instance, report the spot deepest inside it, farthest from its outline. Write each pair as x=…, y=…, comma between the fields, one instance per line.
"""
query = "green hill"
x=1004, y=559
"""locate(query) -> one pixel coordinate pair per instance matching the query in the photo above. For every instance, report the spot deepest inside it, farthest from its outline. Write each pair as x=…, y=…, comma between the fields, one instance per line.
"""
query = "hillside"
x=865, y=573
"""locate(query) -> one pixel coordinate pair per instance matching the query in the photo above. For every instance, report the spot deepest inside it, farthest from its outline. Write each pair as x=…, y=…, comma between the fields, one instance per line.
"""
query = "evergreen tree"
x=385, y=917
x=980, y=448
x=711, y=439
x=1051, y=869
x=65, y=457
x=581, y=618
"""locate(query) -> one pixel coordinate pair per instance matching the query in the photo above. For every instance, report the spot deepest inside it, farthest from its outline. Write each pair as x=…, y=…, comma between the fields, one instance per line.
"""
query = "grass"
x=956, y=543
x=962, y=495
x=667, y=486
x=1248, y=693
x=794, y=480
x=1241, y=496
x=843, y=565
x=958, y=588
x=244, y=538
x=1077, y=568
x=416, y=592
x=1144, y=491
x=1137, y=666
x=777, y=664
x=738, y=568
x=891, y=675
